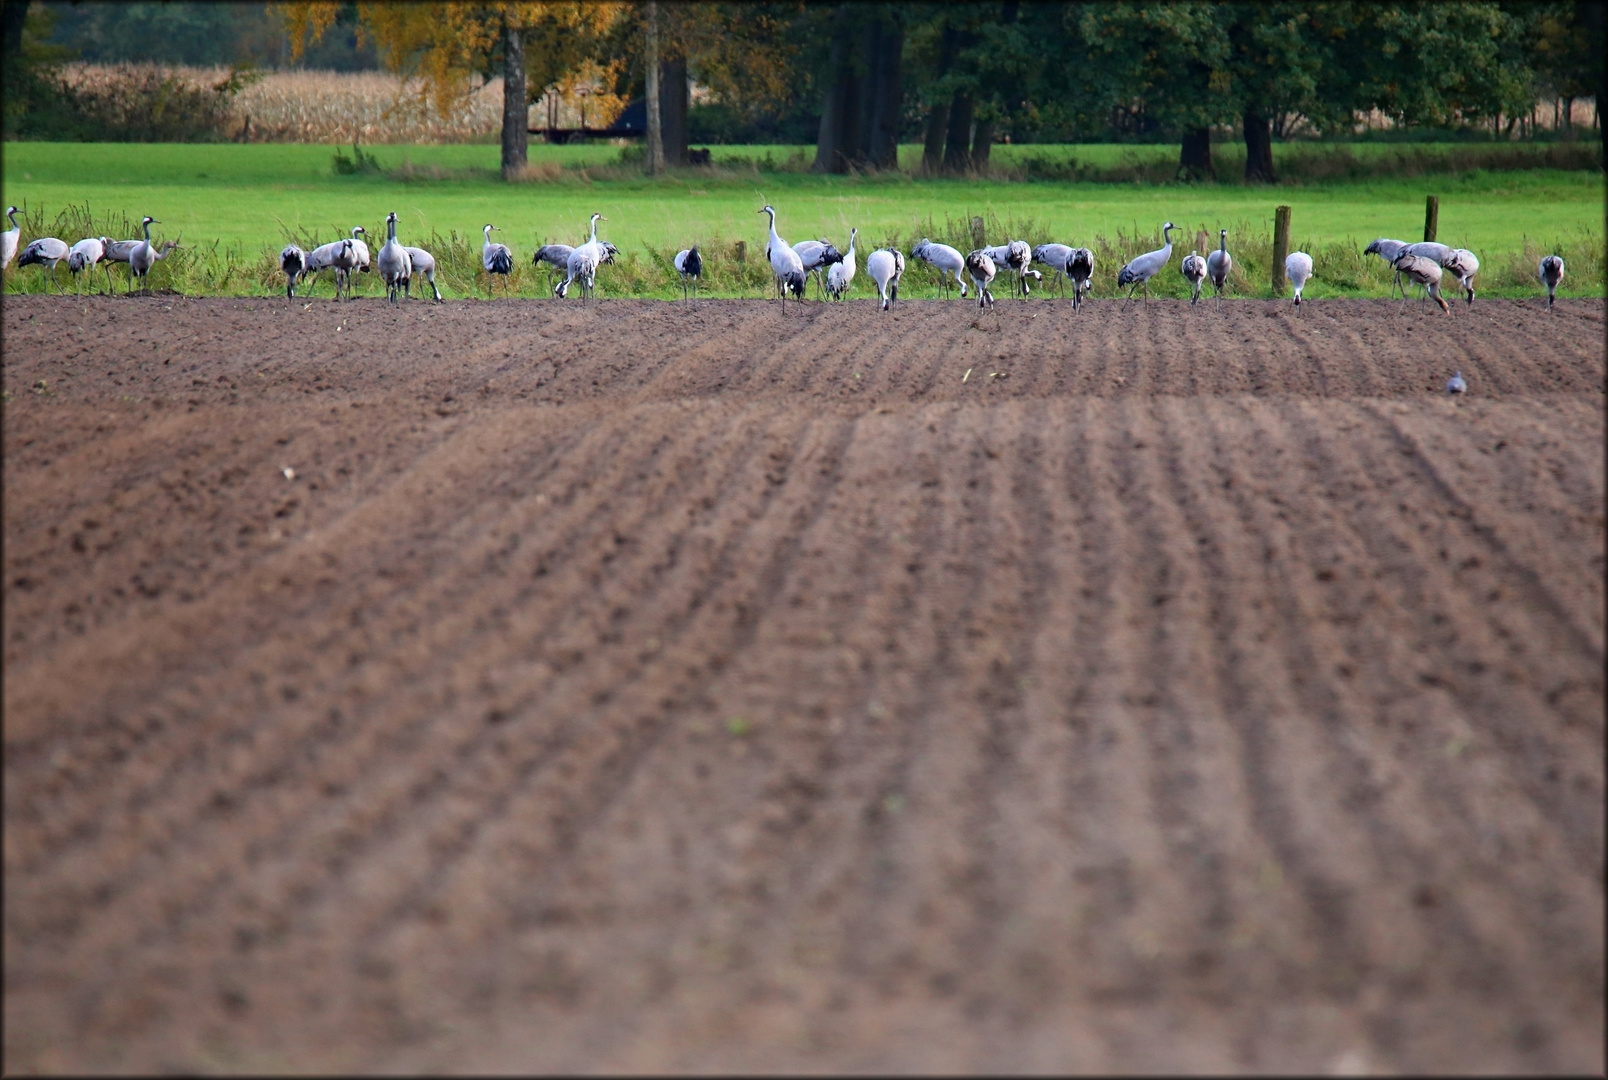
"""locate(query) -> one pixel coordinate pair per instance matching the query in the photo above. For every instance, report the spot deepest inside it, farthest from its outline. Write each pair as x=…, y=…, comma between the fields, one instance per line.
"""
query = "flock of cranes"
x=1425, y=264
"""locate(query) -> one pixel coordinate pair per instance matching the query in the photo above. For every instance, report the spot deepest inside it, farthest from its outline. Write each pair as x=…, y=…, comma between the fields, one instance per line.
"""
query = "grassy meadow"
x=234, y=206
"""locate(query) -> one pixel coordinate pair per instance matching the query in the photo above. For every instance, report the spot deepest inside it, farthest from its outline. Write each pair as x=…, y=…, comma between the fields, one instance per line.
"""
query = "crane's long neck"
x=593, y=240
x=852, y=234
x=147, y=225
x=1222, y=243
x=1166, y=238
x=390, y=231
x=11, y=215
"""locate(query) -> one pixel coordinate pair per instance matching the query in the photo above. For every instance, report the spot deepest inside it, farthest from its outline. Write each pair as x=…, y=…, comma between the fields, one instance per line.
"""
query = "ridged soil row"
x=1513, y=647
x=304, y=838
x=1465, y=946
x=793, y=780
x=218, y=631
x=540, y=827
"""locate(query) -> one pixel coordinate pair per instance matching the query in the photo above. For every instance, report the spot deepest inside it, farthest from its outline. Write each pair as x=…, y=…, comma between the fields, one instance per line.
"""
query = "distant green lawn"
x=251, y=198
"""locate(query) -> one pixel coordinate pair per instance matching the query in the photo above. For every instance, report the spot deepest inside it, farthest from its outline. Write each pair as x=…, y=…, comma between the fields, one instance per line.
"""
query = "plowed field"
x=538, y=685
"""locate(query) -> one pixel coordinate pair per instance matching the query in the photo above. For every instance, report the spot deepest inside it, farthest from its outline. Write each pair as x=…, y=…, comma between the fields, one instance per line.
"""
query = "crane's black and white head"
x=11, y=214
x=390, y=219
x=767, y=209
x=148, y=220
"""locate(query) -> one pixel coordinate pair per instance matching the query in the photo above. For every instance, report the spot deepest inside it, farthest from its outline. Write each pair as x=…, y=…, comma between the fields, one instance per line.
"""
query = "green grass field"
x=235, y=206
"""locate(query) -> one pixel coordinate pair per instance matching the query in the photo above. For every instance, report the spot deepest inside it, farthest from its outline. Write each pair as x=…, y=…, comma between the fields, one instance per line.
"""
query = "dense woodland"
x=857, y=79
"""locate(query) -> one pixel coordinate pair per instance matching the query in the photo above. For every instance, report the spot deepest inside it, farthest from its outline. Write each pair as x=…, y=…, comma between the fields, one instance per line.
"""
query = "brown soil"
x=647, y=686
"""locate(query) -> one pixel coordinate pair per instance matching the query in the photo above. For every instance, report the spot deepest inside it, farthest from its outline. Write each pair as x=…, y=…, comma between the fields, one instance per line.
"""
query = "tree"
x=446, y=45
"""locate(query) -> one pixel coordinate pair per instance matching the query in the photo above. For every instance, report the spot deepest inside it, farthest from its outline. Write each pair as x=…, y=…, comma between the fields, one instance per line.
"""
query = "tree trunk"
x=655, y=118
x=957, y=156
x=516, y=111
x=13, y=17
x=829, y=141
x=1195, y=160
x=673, y=105
x=932, y=153
x=982, y=144
x=1568, y=119
x=1258, y=148
x=883, y=91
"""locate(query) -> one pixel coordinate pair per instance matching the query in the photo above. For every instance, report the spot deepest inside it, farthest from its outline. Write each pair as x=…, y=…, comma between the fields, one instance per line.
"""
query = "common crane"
x=1298, y=268
x=293, y=262
x=1054, y=256
x=787, y=267
x=46, y=251
x=554, y=255
x=420, y=261
x=1463, y=265
x=1080, y=268
x=583, y=261
x=817, y=255
x=9, y=238
x=395, y=265
x=1219, y=263
x=85, y=255
x=1016, y=256
x=1456, y=385
x=689, y=264
x=980, y=265
x=1425, y=271
x=497, y=259
x=332, y=256
x=886, y=267
x=142, y=258
x=946, y=260
x=1551, y=274
x=1194, y=270
x=1139, y=271
x=360, y=253
x=1388, y=250
x=841, y=274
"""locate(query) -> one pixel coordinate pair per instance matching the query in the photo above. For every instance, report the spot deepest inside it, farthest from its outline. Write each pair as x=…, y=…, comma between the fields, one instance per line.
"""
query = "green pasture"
x=234, y=206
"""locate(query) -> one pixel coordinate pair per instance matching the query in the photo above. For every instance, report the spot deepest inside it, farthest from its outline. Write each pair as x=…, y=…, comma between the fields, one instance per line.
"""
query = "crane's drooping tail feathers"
x=501, y=263
x=794, y=282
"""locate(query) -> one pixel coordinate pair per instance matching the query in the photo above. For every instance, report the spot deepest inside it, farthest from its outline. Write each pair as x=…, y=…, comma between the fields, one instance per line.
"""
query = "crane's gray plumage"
x=886, y=266
x=583, y=262
x=786, y=266
x=394, y=263
x=1015, y=256
x=1463, y=265
x=1080, y=268
x=1219, y=263
x=421, y=261
x=555, y=256
x=1551, y=274
x=1388, y=250
x=817, y=255
x=1194, y=271
x=1298, y=268
x=142, y=258
x=1055, y=257
x=47, y=251
x=1140, y=270
x=1423, y=270
x=86, y=255
x=841, y=274
x=980, y=265
x=689, y=264
x=946, y=260
x=496, y=259
x=293, y=262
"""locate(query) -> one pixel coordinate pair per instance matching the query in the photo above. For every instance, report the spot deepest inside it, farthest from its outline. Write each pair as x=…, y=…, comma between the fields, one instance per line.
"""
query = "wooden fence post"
x=1431, y=218
x=1281, y=247
x=979, y=237
x=740, y=252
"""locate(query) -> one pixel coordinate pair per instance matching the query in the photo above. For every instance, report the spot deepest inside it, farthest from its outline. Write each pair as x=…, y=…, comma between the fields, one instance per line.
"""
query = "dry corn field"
x=334, y=107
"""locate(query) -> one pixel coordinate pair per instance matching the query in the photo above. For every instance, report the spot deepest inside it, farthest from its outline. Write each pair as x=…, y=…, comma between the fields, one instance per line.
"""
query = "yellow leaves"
x=306, y=21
